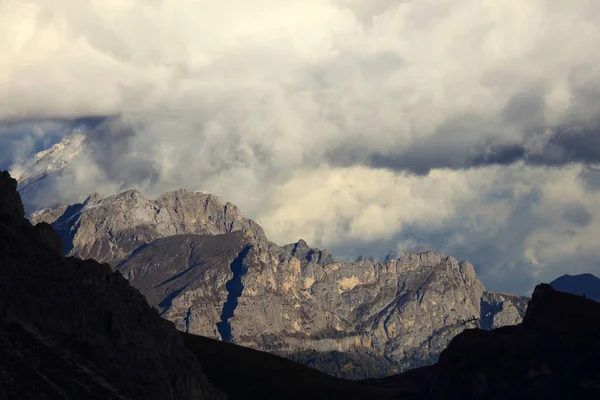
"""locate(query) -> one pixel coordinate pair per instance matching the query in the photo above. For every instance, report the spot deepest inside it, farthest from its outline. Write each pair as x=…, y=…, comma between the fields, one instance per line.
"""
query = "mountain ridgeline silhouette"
x=73, y=329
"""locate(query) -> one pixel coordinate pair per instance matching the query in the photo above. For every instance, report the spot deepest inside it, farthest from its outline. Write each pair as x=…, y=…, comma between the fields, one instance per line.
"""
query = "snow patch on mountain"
x=50, y=160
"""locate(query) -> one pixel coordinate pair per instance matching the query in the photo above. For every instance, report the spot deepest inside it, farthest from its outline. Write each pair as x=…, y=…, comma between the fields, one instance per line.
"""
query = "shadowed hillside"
x=73, y=329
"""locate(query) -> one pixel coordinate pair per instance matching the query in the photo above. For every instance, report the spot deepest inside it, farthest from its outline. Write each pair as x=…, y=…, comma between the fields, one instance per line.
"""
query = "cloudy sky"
x=470, y=127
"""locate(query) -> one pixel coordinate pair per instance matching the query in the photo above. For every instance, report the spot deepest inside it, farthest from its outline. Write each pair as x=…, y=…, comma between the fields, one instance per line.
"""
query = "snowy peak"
x=50, y=160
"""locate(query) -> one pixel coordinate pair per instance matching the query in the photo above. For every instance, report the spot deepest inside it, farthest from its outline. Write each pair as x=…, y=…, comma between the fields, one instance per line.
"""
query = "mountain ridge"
x=296, y=301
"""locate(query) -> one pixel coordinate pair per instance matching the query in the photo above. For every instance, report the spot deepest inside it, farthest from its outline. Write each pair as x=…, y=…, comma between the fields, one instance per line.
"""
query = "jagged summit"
x=109, y=229
x=213, y=272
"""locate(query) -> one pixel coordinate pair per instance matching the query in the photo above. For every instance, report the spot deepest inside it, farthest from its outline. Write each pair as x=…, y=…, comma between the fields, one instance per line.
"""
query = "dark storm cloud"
x=575, y=143
x=517, y=134
x=569, y=144
x=578, y=214
x=108, y=142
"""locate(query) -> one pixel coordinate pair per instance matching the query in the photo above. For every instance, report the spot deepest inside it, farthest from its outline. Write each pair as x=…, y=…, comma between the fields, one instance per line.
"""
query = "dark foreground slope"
x=72, y=329
x=244, y=373
x=553, y=354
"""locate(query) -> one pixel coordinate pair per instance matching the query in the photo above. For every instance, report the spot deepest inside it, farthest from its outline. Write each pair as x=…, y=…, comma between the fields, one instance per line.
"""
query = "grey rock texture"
x=353, y=320
x=501, y=309
x=110, y=229
x=73, y=329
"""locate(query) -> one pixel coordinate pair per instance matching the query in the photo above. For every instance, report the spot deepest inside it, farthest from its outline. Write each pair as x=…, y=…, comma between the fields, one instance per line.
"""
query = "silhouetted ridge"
x=73, y=329
x=553, y=354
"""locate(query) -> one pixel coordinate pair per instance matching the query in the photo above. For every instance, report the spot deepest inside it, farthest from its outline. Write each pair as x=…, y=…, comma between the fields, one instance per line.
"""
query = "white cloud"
x=280, y=106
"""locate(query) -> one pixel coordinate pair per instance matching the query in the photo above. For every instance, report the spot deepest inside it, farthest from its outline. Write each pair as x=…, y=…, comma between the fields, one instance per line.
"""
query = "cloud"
x=318, y=117
x=519, y=225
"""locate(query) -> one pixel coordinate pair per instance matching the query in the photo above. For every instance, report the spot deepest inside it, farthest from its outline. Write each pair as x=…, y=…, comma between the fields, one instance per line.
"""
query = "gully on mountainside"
x=234, y=291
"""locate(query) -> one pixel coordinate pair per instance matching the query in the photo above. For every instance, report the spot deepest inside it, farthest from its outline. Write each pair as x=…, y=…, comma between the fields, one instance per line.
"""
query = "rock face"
x=73, y=329
x=214, y=273
x=586, y=285
x=110, y=229
x=501, y=309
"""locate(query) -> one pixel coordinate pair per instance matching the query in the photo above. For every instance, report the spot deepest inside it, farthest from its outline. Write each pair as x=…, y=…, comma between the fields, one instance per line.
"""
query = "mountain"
x=109, y=230
x=501, y=309
x=73, y=329
x=50, y=161
x=584, y=284
x=37, y=176
x=213, y=272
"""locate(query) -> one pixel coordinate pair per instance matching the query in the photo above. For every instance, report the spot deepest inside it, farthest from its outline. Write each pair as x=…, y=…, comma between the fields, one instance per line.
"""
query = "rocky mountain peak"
x=364, y=257
x=302, y=251
x=93, y=198
x=51, y=160
x=213, y=272
x=109, y=229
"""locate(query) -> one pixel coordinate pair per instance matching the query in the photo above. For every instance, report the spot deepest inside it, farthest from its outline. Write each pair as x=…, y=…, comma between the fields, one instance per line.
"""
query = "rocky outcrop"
x=587, y=285
x=110, y=229
x=354, y=320
x=501, y=309
x=73, y=329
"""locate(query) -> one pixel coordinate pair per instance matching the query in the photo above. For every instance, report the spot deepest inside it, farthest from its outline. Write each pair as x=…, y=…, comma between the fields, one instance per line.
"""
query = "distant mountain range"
x=586, y=285
x=74, y=329
x=213, y=272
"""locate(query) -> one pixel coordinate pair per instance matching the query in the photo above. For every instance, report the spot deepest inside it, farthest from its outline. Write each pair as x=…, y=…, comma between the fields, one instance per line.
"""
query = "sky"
x=468, y=127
